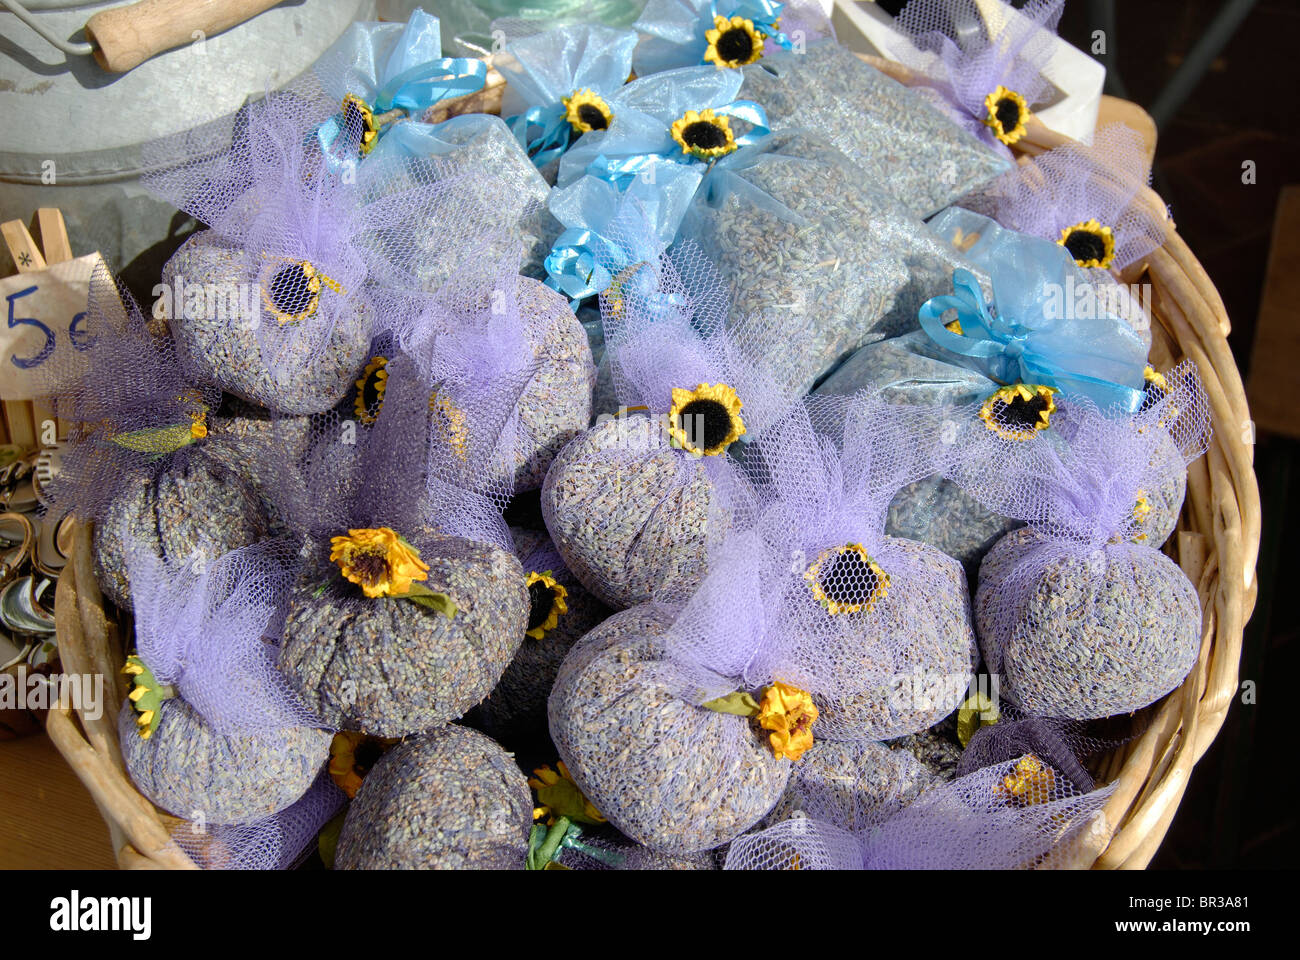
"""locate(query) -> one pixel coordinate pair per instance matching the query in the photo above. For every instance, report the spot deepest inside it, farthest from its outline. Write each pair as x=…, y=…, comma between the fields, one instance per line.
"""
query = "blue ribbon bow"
x=1062, y=354
x=555, y=135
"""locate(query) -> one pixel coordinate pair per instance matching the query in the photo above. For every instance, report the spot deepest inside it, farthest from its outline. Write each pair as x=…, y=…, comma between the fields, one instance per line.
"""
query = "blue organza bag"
x=723, y=33
x=1008, y=322
x=386, y=77
x=562, y=84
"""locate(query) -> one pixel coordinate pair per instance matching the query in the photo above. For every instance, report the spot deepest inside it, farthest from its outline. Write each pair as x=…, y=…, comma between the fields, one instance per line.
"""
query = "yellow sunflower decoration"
x=1006, y=113
x=733, y=43
x=546, y=604
x=846, y=580
x=379, y=561
x=352, y=754
x=704, y=135
x=586, y=111
x=358, y=116
x=706, y=420
x=789, y=713
x=1090, y=243
x=558, y=796
x=370, y=390
x=449, y=420
x=1028, y=781
x=291, y=289
x=1019, y=411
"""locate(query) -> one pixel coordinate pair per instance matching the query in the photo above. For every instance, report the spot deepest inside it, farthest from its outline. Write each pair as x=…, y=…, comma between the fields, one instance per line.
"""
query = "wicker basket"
x=1216, y=544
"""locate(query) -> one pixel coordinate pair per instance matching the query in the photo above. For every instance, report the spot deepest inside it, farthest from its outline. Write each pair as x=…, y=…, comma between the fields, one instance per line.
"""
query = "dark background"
x=1239, y=809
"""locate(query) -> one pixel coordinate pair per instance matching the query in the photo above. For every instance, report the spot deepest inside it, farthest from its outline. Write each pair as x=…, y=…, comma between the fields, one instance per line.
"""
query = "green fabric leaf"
x=434, y=601
x=978, y=711
x=740, y=703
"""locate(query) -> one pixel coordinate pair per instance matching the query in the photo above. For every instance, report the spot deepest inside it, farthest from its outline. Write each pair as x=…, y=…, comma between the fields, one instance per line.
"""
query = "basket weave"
x=1216, y=544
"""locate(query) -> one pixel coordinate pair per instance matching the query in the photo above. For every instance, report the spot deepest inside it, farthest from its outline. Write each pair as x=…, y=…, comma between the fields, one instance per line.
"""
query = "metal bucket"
x=72, y=133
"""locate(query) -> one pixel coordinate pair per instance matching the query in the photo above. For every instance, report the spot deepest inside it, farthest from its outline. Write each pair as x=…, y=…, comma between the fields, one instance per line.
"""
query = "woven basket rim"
x=1216, y=544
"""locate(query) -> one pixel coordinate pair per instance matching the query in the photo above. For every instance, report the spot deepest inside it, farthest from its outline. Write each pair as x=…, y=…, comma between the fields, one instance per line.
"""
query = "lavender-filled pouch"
x=270, y=303
x=1015, y=816
x=984, y=71
x=211, y=731
x=1077, y=612
x=143, y=452
x=560, y=611
x=876, y=629
x=898, y=140
x=666, y=771
x=634, y=503
x=411, y=604
x=382, y=79
x=450, y=799
x=561, y=84
x=723, y=33
x=1086, y=199
x=1046, y=326
x=490, y=326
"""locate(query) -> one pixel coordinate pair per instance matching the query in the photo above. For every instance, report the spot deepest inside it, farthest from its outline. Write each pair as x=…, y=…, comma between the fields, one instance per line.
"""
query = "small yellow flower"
x=1154, y=388
x=198, y=428
x=291, y=289
x=559, y=796
x=846, y=580
x=370, y=390
x=586, y=111
x=1090, y=243
x=450, y=423
x=1141, y=511
x=704, y=135
x=789, y=713
x=1006, y=113
x=733, y=43
x=1019, y=411
x=1028, y=781
x=379, y=561
x=358, y=115
x=352, y=754
x=706, y=420
x=545, y=603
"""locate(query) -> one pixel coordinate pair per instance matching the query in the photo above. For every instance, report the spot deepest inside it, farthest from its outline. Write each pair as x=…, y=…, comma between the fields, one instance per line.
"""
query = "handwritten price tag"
x=43, y=325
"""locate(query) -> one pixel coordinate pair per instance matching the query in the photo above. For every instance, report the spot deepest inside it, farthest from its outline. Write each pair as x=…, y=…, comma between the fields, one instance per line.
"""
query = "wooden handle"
x=126, y=37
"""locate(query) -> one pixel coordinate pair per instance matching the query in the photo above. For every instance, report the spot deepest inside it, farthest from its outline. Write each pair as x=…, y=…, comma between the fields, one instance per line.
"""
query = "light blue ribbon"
x=414, y=91
x=573, y=265
x=1009, y=351
x=620, y=171
x=555, y=135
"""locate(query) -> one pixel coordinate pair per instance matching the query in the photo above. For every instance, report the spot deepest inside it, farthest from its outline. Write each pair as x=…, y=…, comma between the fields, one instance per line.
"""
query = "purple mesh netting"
x=278, y=842
x=1080, y=577
x=965, y=56
x=1075, y=183
x=210, y=629
x=1003, y=818
x=509, y=355
x=814, y=594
